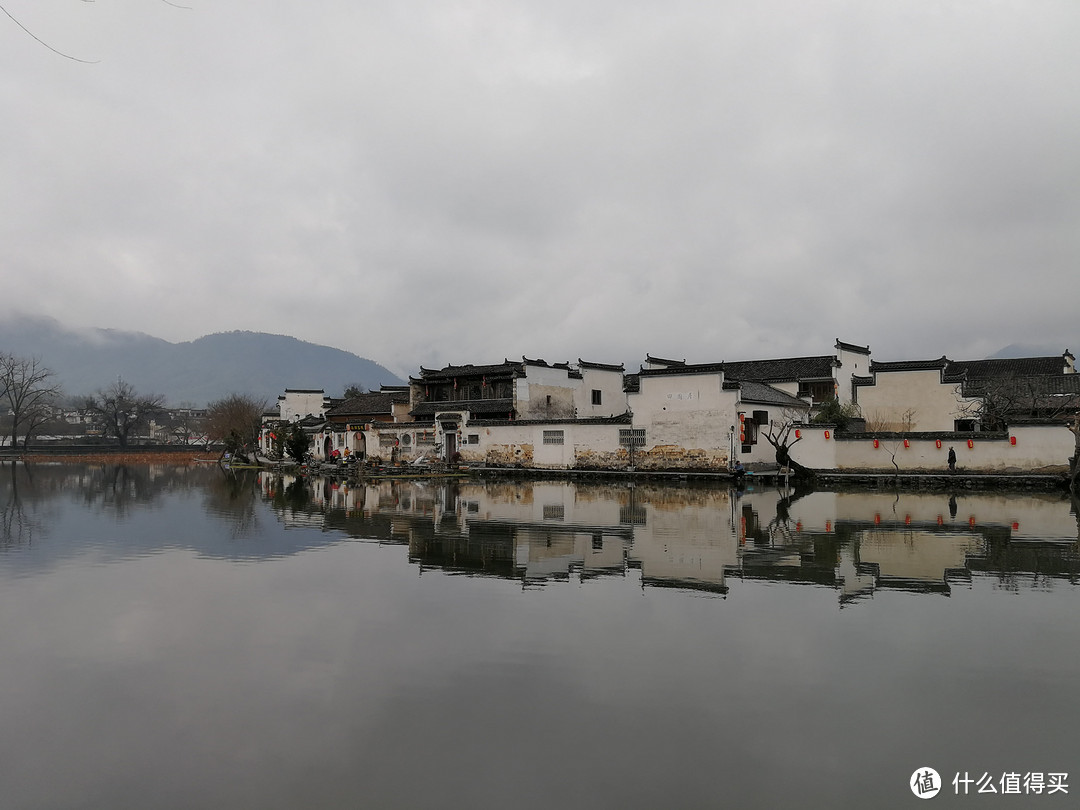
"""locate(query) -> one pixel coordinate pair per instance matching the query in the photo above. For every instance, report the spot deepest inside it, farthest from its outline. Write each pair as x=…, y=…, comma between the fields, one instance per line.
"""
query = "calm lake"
x=177, y=637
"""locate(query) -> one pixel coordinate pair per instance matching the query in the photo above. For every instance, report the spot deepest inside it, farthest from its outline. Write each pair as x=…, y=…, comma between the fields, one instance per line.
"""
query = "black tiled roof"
x=910, y=365
x=473, y=406
x=503, y=369
x=662, y=362
x=621, y=419
x=783, y=370
x=750, y=391
x=369, y=404
x=851, y=347
x=1008, y=367
x=600, y=366
x=699, y=368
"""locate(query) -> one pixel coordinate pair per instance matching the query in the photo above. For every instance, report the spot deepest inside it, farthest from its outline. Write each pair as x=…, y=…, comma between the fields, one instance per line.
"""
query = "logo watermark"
x=926, y=783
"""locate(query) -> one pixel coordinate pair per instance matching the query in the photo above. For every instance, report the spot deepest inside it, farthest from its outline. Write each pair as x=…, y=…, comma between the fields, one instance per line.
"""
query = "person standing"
x=952, y=459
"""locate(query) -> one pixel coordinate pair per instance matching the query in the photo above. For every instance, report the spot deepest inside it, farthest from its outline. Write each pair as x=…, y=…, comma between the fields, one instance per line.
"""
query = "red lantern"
x=938, y=444
x=827, y=434
x=875, y=444
x=971, y=443
x=798, y=434
x=1012, y=441
x=907, y=443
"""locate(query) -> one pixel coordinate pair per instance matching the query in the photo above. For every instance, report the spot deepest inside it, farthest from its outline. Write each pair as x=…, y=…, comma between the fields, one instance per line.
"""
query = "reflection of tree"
x=294, y=496
x=232, y=495
x=116, y=488
x=17, y=524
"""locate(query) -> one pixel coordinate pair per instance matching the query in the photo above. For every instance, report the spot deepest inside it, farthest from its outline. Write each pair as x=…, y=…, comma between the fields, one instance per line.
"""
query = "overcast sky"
x=453, y=182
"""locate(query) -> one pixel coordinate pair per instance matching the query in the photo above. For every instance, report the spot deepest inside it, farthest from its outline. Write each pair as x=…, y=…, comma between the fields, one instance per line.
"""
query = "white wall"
x=612, y=397
x=301, y=403
x=1036, y=447
x=936, y=405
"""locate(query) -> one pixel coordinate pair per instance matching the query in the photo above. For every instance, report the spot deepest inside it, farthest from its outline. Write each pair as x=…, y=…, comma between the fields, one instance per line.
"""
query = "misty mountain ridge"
x=197, y=372
x=1029, y=350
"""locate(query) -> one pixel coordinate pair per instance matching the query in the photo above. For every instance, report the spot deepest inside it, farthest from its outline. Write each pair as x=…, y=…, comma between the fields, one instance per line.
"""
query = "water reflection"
x=701, y=538
x=695, y=538
x=215, y=639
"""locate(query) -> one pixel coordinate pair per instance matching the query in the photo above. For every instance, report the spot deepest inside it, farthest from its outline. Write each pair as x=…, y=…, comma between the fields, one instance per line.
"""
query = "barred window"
x=554, y=511
x=387, y=441
x=425, y=437
x=632, y=437
x=553, y=437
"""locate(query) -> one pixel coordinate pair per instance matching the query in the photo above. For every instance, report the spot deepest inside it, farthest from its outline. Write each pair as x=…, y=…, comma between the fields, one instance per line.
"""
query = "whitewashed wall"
x=612, y=397
x=1035, y=447
x=936, y=405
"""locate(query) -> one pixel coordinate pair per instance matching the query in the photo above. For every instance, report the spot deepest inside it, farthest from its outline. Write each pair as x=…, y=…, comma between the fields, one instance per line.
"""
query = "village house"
x=949, y=395
x=517, y=412
x=672, y=415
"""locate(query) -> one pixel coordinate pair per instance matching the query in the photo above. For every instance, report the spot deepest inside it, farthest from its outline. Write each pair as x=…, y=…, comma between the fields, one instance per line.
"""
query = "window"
x=474, y=438
x=425, y=437
x=597, y=397
x=553, y=437
x=554, y=511
x=632, y=437
x=406, y=439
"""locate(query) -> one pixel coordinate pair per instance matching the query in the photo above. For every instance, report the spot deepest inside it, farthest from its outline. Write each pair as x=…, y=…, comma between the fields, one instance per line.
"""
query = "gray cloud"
x=436, y=183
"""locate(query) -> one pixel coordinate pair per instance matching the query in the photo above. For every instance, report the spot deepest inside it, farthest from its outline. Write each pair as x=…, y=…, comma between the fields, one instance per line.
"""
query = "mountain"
x=1029, y=350
x=198, y=371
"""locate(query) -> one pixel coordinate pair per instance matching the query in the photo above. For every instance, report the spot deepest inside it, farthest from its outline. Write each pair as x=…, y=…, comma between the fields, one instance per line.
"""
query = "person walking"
x=952, y=459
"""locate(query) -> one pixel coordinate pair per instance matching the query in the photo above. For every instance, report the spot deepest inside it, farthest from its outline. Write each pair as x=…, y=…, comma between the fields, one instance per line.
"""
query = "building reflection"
x=702, y=538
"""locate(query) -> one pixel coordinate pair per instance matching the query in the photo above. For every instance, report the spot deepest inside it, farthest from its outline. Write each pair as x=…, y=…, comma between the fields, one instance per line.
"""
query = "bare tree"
x=29, y=391
x=235, y=421
x=781, y=435
x=996, y=402
x=122, y=410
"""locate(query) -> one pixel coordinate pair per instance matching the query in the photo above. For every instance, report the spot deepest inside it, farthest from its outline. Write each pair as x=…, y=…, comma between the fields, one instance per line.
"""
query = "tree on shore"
x=296, y=443
x=122, y=410
x=781, y=435
x=832, y=412
x=235, y=421
x=28, y=389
